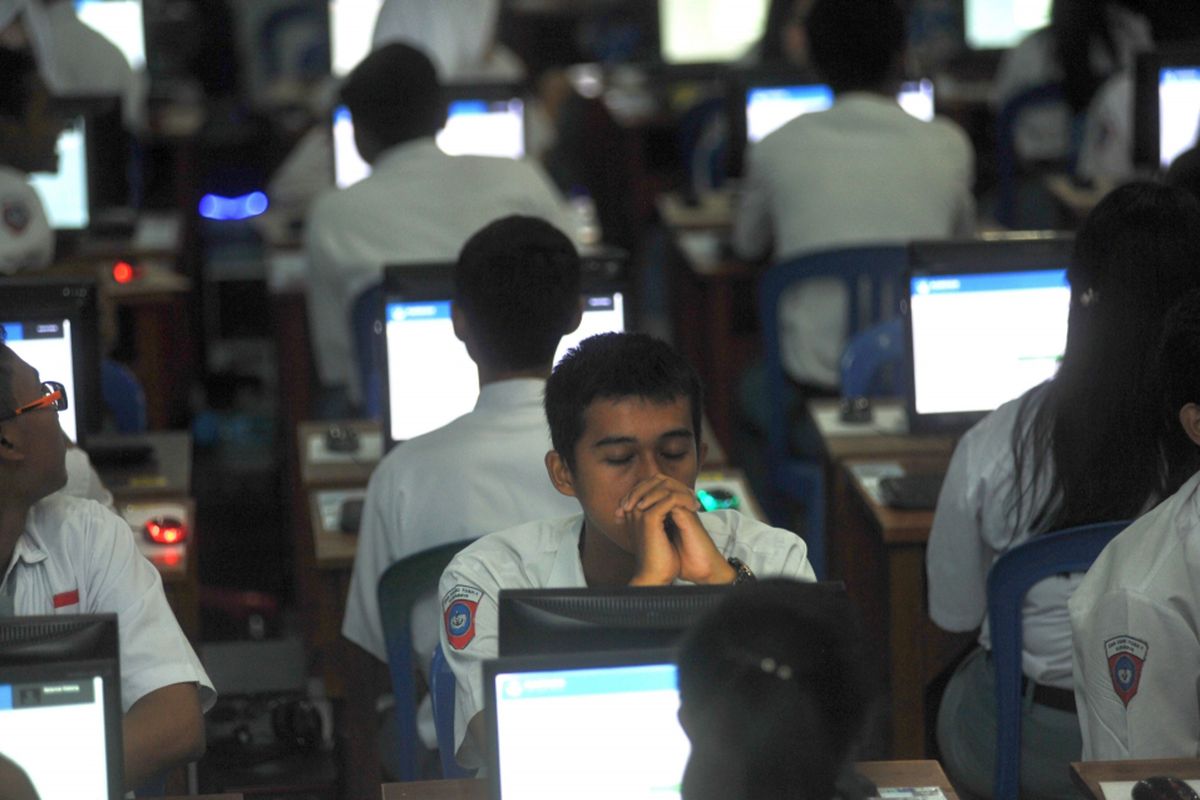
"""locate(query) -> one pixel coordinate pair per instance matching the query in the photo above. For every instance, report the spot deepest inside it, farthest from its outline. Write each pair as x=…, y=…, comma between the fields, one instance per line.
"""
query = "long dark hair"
x=1078, y=25
x=1094, y=428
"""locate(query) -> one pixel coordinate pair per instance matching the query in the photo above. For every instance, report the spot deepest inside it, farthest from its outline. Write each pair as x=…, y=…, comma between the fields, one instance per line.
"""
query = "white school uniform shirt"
x=419, y=205
x=83, y=481
x=76, y=557
x=863, y=172
x=1136, y=623
x=545, y=554
x=26, y=238
x=974, y=524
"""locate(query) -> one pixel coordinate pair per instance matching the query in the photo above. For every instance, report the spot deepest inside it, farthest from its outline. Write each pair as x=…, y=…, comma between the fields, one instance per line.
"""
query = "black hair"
x=517, y=281
x=7, y=400
x=614, y=366
x=1077, y=27
x=1184, y=171
x=1094, y=432
x=775, y=687
x=394, y=94
x=780, y=14
x=1179, y=384
x=855, y=44
x=19, y=70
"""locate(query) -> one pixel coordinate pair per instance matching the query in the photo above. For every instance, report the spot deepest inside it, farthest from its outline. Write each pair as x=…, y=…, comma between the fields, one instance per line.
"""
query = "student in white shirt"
x=624, y=414
x=419, y=205
x=517, y=290
x=29, y=131
x=1080, y=448
x=1135, y=616
x=65, y=555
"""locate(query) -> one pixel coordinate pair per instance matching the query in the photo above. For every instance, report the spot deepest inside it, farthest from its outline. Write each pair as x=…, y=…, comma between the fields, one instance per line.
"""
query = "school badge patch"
x=458, y=610
x=1126, y=655
x=16, y=215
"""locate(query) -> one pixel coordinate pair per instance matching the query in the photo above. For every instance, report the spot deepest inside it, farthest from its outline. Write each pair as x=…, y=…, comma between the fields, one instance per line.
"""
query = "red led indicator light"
x=165, y=530
x=123, y=272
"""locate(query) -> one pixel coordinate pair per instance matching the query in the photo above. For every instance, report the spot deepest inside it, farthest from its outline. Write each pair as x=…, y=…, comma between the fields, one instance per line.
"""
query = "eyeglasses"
x=54, y=395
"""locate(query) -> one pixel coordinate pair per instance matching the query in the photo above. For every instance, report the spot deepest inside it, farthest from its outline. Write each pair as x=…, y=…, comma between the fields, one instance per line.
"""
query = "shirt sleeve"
x=469, y=636
x=373, y=555
x=154, y=651
x=957, y=557
x=1137, y=678
x=752, y=232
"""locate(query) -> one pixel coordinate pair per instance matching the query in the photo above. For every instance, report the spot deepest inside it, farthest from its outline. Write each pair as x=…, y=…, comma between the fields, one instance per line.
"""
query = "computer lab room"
x=599, y=399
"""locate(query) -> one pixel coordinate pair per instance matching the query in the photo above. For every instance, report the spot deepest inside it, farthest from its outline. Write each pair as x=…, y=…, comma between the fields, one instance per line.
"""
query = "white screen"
x=992, y=24
x=432, y=380
x=46, y=346
x=119, y=21
x=1178, y=111
x=55, y=732
x=769, y=108
x=351, y=26
x=473, y=128
x=980, y=340
x=64, y=194
x=597, y=733
x=697, y=31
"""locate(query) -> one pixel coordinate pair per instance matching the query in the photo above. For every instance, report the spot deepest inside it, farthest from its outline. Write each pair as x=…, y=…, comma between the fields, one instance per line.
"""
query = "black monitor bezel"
x=88, y=645
x=75, y=299
x=1000, y=254
x=1146, y=118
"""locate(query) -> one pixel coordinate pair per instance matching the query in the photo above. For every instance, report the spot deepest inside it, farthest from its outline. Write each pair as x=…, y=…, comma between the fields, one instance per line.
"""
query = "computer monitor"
x=770, y=107
x=1000, y=24
x=550, y=717
x=351, y=28
x=65, y=194
x=429, y=379
x=60, y=704
x=119, y=21
x=986, y=321
x=51, y=325
x=480, y=121
x=1166, y=112
x=709, y=31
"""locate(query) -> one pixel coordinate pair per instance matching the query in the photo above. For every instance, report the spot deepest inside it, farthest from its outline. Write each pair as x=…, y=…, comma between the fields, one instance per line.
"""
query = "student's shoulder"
x=519, y=557
x=73, y=522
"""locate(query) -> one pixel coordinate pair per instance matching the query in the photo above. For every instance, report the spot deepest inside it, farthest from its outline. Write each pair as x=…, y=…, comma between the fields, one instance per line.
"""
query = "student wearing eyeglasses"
x=66, y=555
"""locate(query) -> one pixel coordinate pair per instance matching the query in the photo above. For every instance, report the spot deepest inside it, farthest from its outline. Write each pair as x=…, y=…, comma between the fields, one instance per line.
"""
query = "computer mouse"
x=164, y=530
x=1163, y=787
x=341, y=439
x=350, y=515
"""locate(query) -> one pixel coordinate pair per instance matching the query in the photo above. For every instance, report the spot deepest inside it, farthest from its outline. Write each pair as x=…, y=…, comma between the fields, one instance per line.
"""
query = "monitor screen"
x=430, y=378
x=64, y=194
x=1178, y=111
x=981, y=335
x=474, y=127
x=60, y=698
x=51, y=325
x=351, y=27
x=119, y=21
x=771, y=107
x=998, y=24
x=550, y=717
x=708, y=31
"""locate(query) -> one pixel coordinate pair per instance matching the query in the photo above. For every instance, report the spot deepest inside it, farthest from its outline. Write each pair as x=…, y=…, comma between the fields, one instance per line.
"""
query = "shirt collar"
x=512, y=393
x=29, y=549
x=413, y=150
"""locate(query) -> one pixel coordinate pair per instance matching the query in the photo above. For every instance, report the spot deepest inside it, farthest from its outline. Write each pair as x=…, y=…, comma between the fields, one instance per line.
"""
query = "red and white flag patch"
x=1126, y=656
x=458, y=610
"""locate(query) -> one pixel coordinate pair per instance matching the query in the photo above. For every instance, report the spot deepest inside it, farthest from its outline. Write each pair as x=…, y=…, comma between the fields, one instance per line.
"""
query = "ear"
x=10, y=451
x=576, y=318
x=1189, y=418
x=560, y=474
x=462, y=326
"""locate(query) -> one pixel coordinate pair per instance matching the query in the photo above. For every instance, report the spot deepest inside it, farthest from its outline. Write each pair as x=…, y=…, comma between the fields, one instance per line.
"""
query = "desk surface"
x=881, y=773
x=168, y=472
x=1088, y=775
x=886, y=435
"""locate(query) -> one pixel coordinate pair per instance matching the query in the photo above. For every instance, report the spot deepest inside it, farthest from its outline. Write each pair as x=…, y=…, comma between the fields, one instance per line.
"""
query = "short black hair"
x=18, y=68
x=394, y=94
x=517, y=281
x=854, y=44
x=614, y=366
x=1179, y=384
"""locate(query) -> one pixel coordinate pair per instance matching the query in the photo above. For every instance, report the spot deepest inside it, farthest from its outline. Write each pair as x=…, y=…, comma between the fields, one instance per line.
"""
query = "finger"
x=630, y=501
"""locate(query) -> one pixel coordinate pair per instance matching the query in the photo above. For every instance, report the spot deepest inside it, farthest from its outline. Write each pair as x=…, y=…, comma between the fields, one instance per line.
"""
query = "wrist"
x=721, y=573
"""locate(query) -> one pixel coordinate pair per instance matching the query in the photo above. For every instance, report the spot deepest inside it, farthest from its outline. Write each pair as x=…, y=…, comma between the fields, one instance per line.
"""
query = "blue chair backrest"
x=1007, y=167
x=442, y=679
x=1010, y=578
x=866, y=357
x=873, y=277
x=400, y=586
x=123, y=397
x=366, y=321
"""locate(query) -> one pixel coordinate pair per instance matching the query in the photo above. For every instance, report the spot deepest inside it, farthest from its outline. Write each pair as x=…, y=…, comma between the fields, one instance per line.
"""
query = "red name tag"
x=66, y=599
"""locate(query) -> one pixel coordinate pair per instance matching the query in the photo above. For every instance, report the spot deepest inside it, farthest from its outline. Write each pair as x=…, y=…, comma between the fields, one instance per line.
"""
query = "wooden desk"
x=880, y=553
x=1088, y=775
x=167, y=473
x=178, y=564
x=884, y=774
x=321, y=468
